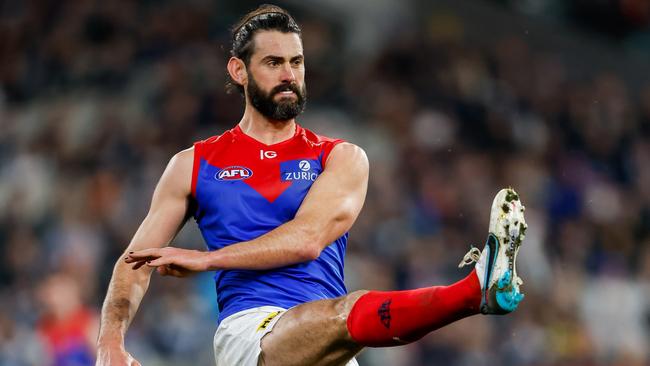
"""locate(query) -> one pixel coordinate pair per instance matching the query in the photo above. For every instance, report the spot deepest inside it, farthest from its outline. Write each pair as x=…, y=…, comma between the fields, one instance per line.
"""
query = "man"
x=274, y=203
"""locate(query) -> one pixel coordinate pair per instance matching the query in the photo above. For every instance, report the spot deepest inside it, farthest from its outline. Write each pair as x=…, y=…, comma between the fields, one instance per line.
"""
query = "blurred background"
x=452, y=100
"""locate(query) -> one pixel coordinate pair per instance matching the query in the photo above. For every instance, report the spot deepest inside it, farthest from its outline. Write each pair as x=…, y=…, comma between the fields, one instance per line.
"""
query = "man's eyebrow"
x=272, y=58
x=280, y=58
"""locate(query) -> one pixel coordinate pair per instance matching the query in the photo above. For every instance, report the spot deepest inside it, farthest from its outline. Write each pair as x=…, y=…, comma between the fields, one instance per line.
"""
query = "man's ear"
x=237, y=70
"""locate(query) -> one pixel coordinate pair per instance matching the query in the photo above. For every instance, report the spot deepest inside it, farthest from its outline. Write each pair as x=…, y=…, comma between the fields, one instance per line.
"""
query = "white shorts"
x=237, y=341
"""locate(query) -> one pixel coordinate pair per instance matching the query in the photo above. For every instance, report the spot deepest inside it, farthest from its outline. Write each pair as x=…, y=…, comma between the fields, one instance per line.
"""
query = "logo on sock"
x=384, y=313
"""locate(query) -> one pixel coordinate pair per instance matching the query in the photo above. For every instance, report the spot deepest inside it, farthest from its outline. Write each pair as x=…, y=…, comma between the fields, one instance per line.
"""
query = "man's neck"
x=265, y=130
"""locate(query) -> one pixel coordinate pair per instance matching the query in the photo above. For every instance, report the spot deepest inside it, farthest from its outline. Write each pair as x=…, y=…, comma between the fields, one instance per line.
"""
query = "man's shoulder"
x=214, y=145
x=216, y=139
x=184, y=155
x=315, y=138
x=182, y=161
x=330, y=145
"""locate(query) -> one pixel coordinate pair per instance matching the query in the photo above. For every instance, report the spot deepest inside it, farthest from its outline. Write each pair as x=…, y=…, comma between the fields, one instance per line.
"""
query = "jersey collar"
x=237, y=131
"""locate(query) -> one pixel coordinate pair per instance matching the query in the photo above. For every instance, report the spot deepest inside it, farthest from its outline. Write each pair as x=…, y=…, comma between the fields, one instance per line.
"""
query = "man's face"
x=276, y=75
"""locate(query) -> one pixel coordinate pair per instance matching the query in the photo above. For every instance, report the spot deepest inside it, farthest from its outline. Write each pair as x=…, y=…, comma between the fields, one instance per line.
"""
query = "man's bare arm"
x=166, y=216
x=327, y=212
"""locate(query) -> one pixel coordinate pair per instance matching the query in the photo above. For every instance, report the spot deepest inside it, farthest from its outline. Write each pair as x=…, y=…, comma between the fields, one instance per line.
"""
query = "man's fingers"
x=159, y=262
x=139, y=264
x=129, y=259
x=132, y=361
x=176, y=273
x=168, y=270
x=145, y=253
x=141, y=257
x=162, y=270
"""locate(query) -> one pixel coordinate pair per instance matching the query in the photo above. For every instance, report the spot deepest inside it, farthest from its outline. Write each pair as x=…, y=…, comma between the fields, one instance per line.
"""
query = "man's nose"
x=288, y=75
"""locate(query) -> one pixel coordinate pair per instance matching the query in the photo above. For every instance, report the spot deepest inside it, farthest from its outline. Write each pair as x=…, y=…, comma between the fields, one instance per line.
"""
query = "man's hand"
x=114, y=356
x=170, y=261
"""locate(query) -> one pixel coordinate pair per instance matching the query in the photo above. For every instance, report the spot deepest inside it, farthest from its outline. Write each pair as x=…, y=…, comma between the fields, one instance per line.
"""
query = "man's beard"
x=283, y=110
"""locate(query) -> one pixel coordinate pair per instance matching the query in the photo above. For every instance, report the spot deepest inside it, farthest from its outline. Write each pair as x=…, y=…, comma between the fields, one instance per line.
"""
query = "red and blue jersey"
x=243, y=189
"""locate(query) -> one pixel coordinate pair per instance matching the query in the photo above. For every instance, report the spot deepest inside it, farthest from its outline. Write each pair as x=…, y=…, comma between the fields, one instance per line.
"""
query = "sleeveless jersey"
x=243, y=189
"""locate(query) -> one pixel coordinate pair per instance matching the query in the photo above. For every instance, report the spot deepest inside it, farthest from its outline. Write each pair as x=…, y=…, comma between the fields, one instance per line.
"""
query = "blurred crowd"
x=95, y=97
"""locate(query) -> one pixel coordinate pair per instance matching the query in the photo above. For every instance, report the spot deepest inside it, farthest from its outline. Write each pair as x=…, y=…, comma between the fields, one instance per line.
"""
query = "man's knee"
x=342, y=308
x=344, y=304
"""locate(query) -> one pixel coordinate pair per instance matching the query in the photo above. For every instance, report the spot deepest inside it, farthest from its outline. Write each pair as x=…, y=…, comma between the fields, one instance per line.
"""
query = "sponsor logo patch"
x=302, y=170
x=304, y=165
x=299, y=176
x=265, y=323
x=268, y=154
x=234, y=173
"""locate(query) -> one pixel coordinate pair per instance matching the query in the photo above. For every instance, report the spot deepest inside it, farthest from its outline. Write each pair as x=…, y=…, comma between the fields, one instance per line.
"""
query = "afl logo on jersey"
x=234, y=173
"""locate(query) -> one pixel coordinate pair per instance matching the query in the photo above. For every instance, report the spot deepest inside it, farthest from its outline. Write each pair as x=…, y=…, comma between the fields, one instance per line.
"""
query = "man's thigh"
x=314, y=333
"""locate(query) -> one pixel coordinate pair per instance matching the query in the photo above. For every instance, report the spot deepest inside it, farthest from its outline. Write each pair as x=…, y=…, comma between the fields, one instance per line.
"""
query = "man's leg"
x=331, y=332
x=314, y=333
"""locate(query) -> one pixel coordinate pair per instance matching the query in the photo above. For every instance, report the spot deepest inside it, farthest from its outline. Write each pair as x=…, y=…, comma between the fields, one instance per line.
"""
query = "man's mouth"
x=286, y=93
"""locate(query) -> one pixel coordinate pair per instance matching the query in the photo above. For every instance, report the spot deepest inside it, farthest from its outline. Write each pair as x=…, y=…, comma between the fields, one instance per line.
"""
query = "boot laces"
x=470, y=257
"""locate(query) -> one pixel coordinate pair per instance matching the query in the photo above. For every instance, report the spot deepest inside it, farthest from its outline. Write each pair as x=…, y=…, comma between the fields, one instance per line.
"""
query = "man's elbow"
x=311, y=244
x=314, y=244
x=309, y=252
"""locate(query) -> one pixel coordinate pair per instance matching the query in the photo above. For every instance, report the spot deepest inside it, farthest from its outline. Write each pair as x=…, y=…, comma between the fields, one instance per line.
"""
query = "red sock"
x=380, y=319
